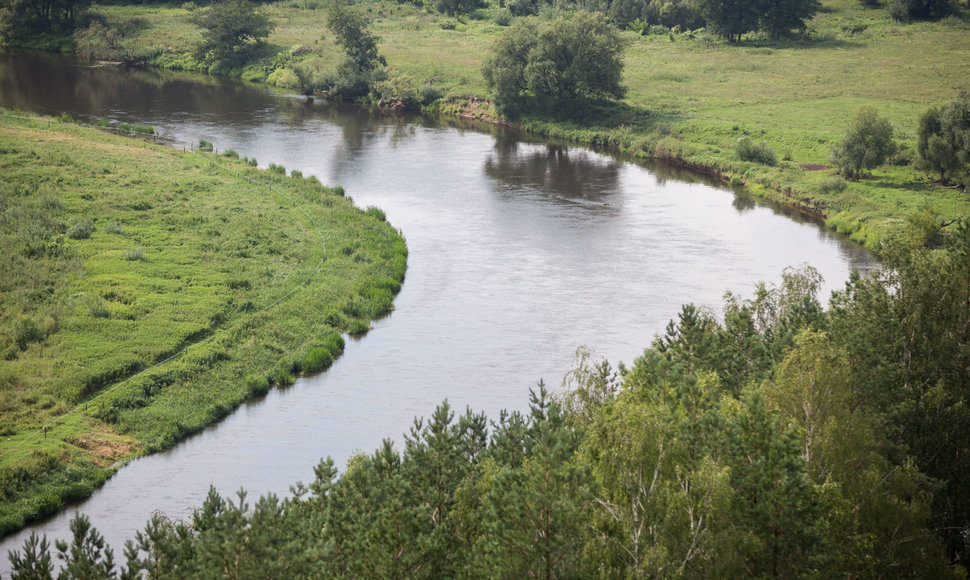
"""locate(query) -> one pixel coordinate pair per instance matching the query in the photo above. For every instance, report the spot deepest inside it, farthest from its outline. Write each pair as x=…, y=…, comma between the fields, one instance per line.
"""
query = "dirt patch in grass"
x=103, y=445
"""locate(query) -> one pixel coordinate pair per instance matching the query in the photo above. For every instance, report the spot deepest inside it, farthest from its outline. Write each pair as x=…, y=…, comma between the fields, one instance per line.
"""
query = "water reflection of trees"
x=574, y=174
x=53, y=84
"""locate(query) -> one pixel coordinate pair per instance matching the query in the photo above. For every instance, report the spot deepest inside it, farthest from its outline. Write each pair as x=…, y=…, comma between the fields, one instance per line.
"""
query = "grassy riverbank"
x=148, y=292
x=690, y=96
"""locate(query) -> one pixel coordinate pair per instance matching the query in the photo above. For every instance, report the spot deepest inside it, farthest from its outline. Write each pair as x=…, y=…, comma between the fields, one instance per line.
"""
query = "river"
x=520, y=252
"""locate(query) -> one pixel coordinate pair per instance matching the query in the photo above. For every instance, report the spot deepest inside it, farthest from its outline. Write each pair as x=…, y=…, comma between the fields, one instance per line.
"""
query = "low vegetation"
x=147, y=292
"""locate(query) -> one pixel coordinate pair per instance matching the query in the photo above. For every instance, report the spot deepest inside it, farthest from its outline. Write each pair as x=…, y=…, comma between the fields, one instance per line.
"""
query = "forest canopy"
x=782, y=439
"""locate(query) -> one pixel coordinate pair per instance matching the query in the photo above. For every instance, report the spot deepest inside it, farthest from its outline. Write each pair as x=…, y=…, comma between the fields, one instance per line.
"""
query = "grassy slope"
x=218, y=253
x=691, y=98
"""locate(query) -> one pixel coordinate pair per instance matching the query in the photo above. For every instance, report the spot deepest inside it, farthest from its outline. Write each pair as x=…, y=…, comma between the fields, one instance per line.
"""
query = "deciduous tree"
x=229, y=29
x=557, y=63
x=866, y=145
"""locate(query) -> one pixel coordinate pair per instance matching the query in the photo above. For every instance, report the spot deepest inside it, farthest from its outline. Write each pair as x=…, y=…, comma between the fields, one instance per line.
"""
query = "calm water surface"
x=520, y=253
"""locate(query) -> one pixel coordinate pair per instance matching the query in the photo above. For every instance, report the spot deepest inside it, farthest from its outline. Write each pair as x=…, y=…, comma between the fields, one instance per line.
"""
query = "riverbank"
x=148, y=292
x=690, y=97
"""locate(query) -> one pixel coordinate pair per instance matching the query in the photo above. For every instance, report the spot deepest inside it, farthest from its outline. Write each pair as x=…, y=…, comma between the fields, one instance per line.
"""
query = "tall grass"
x=139, y=334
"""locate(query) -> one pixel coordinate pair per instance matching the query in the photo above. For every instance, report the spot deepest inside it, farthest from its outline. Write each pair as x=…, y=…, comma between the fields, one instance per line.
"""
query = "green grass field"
x=147, y=292
x=691, y=96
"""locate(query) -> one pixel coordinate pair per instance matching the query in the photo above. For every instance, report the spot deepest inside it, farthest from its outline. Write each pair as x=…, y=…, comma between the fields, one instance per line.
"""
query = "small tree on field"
x=350, y=28
x=867, y=144
x=559, y=62
x=229, y=29
x=355, y=76
x=944, y=140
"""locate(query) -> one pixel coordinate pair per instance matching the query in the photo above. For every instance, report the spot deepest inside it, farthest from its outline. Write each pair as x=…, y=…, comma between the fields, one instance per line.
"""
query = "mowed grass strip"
x=120, y=255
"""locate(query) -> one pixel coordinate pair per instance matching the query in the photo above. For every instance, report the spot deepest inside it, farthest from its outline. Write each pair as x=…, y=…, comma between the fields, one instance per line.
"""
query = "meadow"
x=690, y=97
x=147, y=292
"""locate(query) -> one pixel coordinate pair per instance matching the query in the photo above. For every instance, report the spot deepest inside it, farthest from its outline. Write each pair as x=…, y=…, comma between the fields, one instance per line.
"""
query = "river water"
x=520, y=252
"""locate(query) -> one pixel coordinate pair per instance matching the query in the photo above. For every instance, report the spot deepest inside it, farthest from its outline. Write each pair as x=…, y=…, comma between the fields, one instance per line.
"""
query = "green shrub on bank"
x=758, y=152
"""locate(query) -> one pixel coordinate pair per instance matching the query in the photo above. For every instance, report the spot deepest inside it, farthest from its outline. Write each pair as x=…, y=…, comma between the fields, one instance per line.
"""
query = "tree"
x=350, y=28
x=528, y=521
x=867, y=144
x=730, y=18
x=558, y=63
x=229, y=29
x=777, y=513
x=456, y=7
x=944, y=140
x=20, y=19
x=87, y=556
x=355, y=76
x=781, y=17
x=35, y=562
x=734, y=18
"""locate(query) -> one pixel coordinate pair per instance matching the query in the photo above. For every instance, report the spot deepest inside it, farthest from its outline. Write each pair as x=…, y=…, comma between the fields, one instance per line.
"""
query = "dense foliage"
x=361, y=68
x=557, y=63
x=866, y=145
x=944, y=140
x=921, y=9
x=734, y=18
x=782, y=440
x=20, y=19
x=229, y=31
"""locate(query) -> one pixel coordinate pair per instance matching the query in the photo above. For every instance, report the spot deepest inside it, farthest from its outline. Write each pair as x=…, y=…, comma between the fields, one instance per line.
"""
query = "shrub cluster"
x=758, y=152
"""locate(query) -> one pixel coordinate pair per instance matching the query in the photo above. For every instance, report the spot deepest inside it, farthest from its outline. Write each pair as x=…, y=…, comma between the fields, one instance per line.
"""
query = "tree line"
x=780, y=439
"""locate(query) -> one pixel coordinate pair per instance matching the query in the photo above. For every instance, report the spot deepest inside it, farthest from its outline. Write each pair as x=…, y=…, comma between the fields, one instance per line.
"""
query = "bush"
x=430, y=94
x=205, y=145
x=231, y=154
x=277, y=169
x=758, y=152
x=905, y=10
x=943, y=140
x=559, y=62
x=134, y=254
x=867, y=144
x=397, y=92
x=81, y=230
x=346, y=82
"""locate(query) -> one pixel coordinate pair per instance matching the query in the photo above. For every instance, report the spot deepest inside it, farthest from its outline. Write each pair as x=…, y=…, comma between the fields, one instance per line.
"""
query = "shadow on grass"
x=596, y=115
x=915, y=186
